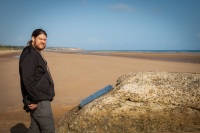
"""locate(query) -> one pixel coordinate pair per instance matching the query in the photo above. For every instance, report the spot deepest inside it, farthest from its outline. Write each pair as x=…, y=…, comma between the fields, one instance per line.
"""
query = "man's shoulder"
x=28, y=53
x=29, y=50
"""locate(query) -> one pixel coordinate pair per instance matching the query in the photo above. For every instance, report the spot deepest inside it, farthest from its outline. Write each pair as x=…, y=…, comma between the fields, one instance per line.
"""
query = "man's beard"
x=39, y=48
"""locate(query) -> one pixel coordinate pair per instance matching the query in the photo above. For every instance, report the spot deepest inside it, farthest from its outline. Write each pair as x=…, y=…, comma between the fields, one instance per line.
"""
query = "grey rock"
x=144, y=102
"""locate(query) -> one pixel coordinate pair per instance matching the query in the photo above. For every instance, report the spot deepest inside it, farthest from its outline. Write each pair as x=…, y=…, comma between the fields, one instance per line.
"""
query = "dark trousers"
x=42, y=119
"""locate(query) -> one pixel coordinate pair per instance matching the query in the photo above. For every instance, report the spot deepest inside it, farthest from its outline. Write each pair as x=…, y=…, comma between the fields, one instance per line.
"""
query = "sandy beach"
x=76, y=76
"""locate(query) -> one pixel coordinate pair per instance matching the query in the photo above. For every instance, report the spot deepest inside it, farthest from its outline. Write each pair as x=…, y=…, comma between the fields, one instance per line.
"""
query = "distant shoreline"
x=186, y=57
x=71, y=49
x=174, y=57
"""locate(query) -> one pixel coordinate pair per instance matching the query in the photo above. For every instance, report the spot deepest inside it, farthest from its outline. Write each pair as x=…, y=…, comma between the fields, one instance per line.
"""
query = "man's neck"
x=36, y=48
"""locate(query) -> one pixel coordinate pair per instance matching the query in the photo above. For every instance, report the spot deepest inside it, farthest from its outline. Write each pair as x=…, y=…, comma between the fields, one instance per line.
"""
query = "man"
x=37, y=86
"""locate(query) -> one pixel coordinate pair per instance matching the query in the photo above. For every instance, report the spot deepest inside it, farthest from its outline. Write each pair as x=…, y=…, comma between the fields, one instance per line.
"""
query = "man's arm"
x=31, y=74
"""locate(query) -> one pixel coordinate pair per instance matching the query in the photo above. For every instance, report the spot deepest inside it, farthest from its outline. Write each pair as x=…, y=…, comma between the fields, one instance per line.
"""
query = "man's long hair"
x=35, y=34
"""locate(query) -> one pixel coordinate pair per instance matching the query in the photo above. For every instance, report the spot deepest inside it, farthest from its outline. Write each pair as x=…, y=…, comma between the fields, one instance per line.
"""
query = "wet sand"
x=174, y=57
x=76, y=76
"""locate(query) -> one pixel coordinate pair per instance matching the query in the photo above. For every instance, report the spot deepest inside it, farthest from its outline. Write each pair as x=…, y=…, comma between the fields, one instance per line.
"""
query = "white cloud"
x=121, y=7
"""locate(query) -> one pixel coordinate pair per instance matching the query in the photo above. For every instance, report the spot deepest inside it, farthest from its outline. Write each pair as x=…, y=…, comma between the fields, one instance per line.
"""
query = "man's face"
x=39, y=42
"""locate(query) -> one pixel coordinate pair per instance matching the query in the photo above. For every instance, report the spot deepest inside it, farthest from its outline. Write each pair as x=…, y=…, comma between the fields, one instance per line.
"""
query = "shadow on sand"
x=19, y=128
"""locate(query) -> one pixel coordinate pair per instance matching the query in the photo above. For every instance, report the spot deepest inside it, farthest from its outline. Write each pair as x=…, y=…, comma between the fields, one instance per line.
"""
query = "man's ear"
x=33, y=39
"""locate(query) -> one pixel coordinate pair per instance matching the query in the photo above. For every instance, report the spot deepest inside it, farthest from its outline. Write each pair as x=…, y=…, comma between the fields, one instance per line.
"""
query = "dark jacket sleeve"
x=31, y=73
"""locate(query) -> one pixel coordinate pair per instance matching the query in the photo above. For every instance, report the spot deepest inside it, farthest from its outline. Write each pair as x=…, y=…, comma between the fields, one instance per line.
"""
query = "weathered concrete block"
x=145, y=102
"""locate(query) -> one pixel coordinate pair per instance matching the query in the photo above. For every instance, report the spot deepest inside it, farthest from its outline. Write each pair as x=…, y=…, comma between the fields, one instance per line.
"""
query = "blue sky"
x=104, y=24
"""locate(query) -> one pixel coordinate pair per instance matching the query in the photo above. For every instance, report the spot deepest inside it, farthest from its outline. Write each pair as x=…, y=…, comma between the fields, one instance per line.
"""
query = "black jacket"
x=36, y=81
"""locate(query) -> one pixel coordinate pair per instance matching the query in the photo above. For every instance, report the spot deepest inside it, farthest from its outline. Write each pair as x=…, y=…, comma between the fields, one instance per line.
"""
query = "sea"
x=194, y=58
x=189, y=59
x=148, y=51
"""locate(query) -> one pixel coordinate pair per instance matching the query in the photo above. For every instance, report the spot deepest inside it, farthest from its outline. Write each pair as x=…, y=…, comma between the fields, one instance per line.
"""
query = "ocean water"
x=188, y=59
x=195, y=58
x=149, y=51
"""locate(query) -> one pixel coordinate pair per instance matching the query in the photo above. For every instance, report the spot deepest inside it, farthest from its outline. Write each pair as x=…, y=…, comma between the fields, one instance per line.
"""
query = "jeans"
x=42, y=119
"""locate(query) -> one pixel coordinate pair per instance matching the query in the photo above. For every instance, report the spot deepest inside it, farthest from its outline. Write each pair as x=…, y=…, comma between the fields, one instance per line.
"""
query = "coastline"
x=186, y=57
x=163, y=56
